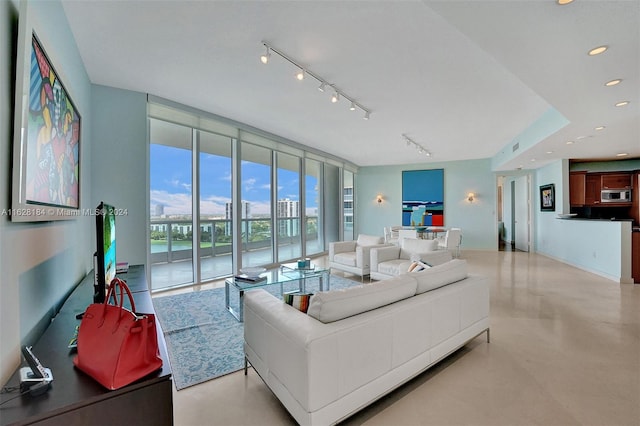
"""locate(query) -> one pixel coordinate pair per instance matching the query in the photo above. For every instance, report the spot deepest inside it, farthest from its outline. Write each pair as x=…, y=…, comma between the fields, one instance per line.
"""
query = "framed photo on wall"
x=548, y=198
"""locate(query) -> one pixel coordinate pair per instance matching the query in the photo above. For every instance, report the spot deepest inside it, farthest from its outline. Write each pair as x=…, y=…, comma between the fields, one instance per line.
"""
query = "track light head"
x=264, y=58
x=300, y=74
x=335, y=98
x=322, y=86
x=366, y=115
x=353, y=106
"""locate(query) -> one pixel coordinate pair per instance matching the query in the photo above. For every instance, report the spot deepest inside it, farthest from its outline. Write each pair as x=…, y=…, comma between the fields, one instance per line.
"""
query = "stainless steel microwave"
x=615, y=196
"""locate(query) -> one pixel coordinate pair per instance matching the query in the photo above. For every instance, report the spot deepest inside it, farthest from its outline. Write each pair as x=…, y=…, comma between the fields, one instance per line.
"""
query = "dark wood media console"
x=75, y=398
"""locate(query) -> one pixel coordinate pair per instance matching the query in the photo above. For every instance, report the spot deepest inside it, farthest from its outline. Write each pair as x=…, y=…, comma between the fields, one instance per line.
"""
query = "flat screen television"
x=105, y=258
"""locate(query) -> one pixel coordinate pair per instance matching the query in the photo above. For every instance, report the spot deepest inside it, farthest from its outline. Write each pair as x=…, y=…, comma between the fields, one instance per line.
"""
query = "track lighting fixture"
x=416, y=145
x=303, y=72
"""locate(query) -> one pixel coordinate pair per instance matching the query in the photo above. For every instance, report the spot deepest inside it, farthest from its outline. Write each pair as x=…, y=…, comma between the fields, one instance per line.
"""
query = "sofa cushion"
x=298, y=300
x=369, y=240
x=329, y=306
x=347, y=258
x=411, y=246
x=440, y=275
x=394, y=267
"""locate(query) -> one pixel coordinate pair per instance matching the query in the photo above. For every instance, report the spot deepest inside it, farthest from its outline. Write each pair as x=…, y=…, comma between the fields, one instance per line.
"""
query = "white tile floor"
x=565, y=350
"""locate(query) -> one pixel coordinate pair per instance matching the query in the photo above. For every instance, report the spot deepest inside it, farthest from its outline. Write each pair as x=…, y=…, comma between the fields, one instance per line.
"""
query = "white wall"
x=477, y=220
x=39, y=262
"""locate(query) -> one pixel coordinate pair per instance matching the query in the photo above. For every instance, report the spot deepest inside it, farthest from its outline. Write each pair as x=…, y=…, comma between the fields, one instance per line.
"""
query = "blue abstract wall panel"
x=423, y=197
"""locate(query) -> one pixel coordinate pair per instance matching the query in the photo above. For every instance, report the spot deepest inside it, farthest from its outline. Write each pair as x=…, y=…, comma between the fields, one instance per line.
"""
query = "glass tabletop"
x=285, y=273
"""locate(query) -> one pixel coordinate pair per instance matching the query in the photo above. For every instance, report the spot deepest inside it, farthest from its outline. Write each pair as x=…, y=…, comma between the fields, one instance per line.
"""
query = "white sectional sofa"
x=356, y=345
x=390, y=261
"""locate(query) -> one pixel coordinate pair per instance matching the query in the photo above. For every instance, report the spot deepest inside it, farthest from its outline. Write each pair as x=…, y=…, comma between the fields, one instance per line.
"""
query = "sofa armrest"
x=282, y=340
x=363, y=254
x=340, y=247
x=383, y=254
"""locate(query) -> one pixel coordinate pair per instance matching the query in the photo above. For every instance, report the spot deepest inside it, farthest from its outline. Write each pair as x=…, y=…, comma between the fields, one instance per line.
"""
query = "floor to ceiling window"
x=223, y=196
x=255, y=179
x=288, y=207
x=171, y=212
x=347, y=206
x=216, y=236
x=312, y=208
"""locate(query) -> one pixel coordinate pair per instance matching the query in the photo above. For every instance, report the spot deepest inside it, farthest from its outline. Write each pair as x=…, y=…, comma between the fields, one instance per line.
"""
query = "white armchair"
x=452, y=240
x=354, y=256
x=390, y=261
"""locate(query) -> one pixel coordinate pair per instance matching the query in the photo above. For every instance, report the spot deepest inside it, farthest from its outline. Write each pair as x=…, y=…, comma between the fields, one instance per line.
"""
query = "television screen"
x=106, y=249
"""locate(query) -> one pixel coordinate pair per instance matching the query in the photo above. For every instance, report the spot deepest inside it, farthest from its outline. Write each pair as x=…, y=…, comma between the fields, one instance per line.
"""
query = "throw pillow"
x=418, y=265
x=441, y=275
x=298, y=301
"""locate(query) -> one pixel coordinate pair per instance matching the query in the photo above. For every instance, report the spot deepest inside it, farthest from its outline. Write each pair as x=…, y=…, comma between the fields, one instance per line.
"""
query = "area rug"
x=204, y=340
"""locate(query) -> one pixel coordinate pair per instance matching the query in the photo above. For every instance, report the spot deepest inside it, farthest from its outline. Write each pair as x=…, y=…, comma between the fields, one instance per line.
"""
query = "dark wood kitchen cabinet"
x=616, y=181
x=593, y=186
x=577, y=182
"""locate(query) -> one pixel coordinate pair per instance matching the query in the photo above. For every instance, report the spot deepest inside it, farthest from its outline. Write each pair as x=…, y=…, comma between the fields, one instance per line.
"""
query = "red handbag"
x=115, y=345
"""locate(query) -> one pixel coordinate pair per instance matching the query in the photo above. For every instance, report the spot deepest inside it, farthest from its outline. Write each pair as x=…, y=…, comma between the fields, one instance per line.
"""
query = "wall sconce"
x=470, y=197
x=379, y=199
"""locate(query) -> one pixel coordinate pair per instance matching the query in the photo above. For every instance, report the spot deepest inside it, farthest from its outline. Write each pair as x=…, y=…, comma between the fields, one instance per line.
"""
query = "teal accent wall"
x=477, y=220
x=119, y=166
x=602, y=247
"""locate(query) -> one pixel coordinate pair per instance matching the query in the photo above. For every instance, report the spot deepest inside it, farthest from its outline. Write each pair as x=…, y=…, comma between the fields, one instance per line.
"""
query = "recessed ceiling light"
x=600, y=128
x=579, y=138
x=597, y=50
x=622, y=103
x=533, y=159
x=549, y=152
x=613, y=82
x=622, y=154
x=570, y=142
x=563, y=2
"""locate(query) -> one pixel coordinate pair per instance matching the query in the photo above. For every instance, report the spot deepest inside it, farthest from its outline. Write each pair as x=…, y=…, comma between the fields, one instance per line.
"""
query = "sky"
x=171, y=183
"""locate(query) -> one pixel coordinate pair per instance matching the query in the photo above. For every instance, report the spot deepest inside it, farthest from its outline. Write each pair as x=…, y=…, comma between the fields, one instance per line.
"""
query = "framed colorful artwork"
x=548, y=198
x=46, y=162
x=423, y=197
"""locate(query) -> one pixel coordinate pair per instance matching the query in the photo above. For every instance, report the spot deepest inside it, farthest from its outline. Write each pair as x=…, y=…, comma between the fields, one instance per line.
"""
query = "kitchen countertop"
x=595, y=220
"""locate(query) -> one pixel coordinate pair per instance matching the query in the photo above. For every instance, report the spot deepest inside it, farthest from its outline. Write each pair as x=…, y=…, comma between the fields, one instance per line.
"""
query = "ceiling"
x=464, y=79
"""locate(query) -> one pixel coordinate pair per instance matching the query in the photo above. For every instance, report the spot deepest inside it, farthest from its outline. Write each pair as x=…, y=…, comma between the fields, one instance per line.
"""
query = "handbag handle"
x=117, y=282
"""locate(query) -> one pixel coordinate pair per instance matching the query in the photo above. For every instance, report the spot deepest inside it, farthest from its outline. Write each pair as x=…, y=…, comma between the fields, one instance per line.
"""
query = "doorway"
x=514, y=215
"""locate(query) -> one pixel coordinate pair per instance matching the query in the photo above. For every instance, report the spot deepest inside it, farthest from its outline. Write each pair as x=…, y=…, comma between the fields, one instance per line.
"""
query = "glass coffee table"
x=286, y=273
